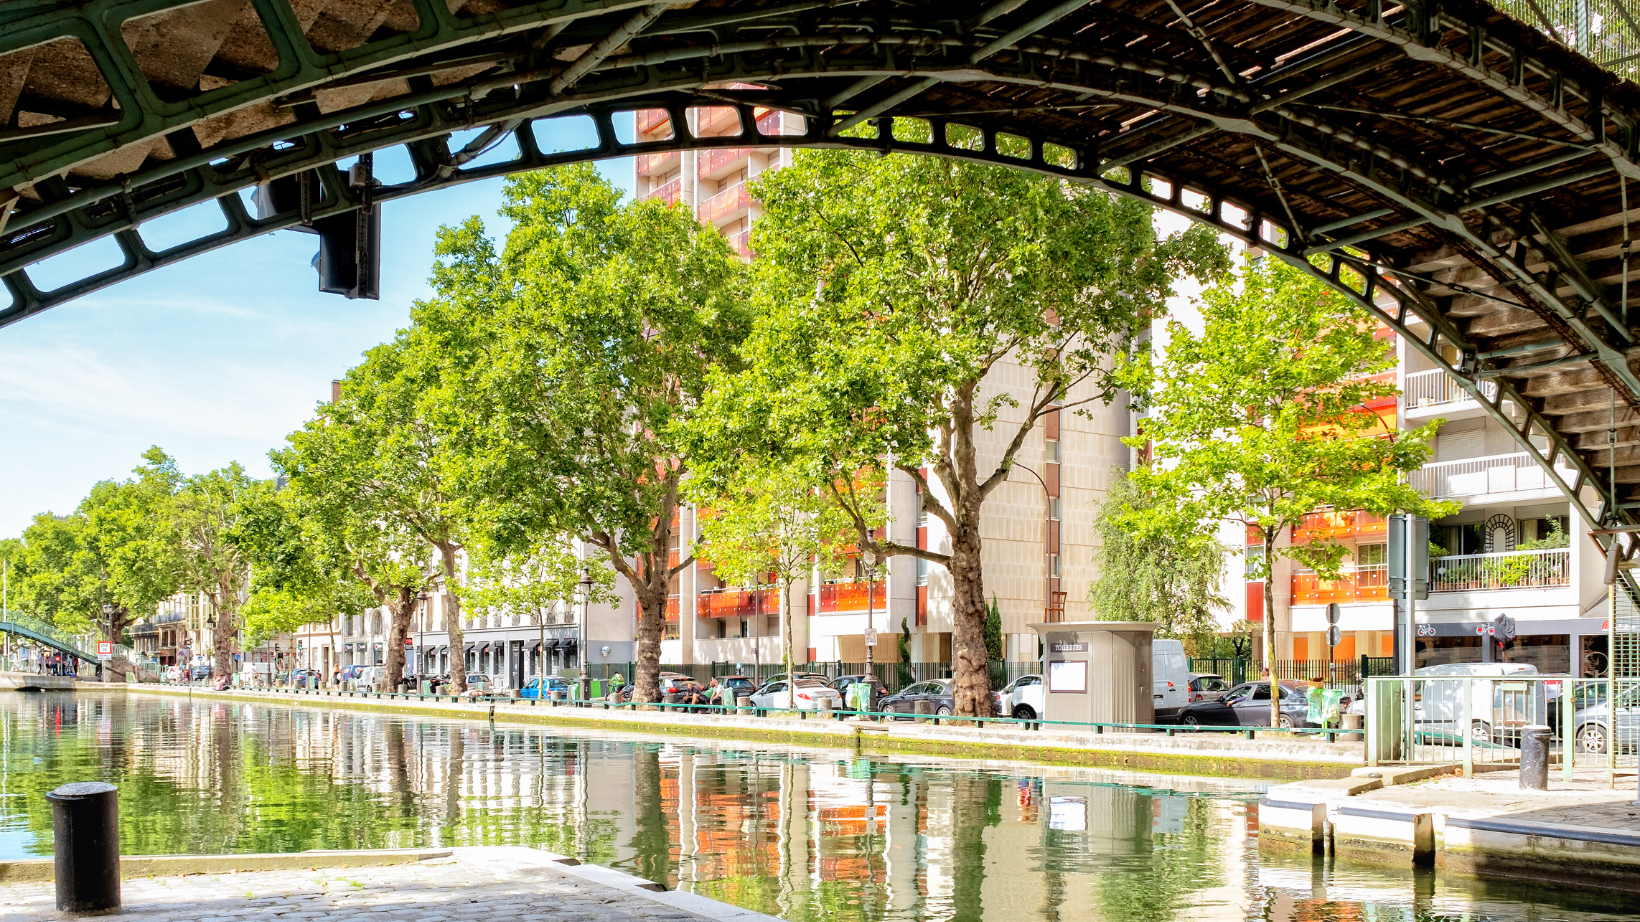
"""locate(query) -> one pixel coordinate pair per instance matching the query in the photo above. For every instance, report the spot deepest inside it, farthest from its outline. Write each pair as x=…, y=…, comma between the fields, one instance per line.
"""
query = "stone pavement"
x=1587, y=800
x=483, y=884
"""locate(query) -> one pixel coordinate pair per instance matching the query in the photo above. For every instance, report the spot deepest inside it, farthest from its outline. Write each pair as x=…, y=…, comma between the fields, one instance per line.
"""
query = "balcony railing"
x=851, y=596
x=653, y=121
x=662, y=163
x=1509, y=570
x=1479, y=476
x=770, y=125
x=742, y=242
x=736, y=603
x=724, y=204
x=1329, y=525
x=1435, y=387
x=668, y=193
x=1361, y=584
x=711, y=121
x=709, y=162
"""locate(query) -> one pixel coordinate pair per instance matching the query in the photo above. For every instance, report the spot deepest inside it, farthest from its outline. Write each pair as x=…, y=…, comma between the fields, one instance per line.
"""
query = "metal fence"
x=1479, y=720
x=893, y=675
x=1237, y=670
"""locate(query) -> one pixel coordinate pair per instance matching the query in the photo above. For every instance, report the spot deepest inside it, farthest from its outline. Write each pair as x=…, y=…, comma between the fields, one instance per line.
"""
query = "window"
x=1371, y=555
x=1053, y=450
x=1054, y=565
x=922, y=572
x=922, y=517
x=771, y=626
x=1253, y=559
x=1053, y=507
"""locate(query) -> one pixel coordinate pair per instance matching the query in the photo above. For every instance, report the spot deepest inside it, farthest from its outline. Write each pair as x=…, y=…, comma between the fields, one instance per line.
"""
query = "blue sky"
x=214, y=359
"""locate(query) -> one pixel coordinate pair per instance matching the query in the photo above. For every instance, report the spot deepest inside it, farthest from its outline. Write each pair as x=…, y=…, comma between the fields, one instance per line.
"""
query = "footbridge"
x=20, y=625
x=1464, y=173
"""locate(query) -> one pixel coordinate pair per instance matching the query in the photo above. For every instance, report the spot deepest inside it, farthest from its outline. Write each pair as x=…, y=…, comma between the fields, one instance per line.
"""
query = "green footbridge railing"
x=15, y=622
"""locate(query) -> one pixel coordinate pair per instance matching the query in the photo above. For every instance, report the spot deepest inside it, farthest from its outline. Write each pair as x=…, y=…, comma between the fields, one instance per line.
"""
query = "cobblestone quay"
x=483, y=884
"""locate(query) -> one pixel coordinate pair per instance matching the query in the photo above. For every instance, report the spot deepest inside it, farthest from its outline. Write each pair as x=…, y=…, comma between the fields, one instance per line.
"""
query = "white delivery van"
x=1170, y=678
x=1498, y=708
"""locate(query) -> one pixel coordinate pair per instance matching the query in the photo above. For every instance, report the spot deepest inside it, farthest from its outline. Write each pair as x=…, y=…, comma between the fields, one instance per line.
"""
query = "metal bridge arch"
x=1454, y=170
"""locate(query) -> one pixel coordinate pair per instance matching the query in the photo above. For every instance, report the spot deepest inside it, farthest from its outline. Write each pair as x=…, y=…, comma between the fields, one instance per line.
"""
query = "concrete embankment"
x=1270, y=755
x=1583, y=831
x=489, y=882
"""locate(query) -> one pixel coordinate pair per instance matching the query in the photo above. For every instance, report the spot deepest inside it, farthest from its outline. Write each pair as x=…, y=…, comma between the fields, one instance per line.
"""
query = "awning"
x=483, y=648
x=471, y=647
x=534, y=647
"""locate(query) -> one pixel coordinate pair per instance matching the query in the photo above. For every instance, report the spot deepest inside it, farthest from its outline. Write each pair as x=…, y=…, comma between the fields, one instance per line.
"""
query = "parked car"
x=201, y=672
x=304, y=678
x=1207, y=686
x=539, y=687
x=1169, y=678
x=905, y=700
x=1021, y=698
x=878, y=689
x=808, y=695
x=1592, y=723
x=1248, y=705
x=734, y=686
x=1498, y=711
x=480, y=685
x=820, y=677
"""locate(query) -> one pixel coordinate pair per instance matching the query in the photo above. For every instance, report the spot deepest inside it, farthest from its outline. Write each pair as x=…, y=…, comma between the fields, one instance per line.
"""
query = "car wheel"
x=1025, y=712
x=943, y=712
x=1480, y=731
x=1286, y=723
x=1190, y=720
x=1591, y=738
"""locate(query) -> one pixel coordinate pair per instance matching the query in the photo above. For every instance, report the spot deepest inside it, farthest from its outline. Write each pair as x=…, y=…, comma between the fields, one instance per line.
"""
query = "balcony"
x=735, y=603
x=1512, y=473
x=668, y=193
x=1361, y=584
x=658, y=164
x=711, y=164
x=848, y=596
x=727, y=205
x=713, y=121
x=1329, y=525
x=1510, y=570
x=742, y=243
x=1436, y=393
x=653, y=122
x=772, y=126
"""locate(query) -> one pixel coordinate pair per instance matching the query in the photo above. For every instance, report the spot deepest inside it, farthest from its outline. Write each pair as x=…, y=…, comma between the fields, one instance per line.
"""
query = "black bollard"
x=1534, y=758
x=86, y=825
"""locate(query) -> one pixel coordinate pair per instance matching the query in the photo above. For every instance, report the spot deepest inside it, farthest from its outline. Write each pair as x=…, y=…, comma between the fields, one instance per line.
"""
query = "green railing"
x=1606, y=32
x=15, y=622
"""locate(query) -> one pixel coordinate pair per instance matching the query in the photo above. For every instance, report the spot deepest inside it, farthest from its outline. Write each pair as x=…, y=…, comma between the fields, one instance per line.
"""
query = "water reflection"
x=803, y=834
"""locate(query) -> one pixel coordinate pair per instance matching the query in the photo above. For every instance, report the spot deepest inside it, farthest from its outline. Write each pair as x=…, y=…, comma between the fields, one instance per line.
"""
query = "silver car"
x=809, y=694
x=1592, y=724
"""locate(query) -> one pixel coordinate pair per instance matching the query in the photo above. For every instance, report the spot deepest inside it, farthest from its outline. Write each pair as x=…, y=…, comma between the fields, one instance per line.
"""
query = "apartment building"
x=182, y=632
x=1037, y=531
x=1514, y=576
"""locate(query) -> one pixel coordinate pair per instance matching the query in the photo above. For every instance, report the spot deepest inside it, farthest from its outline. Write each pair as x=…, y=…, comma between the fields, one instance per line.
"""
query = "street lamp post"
x=108, y=616
x=1047, y=543
x=869, y=562
x=581, y=644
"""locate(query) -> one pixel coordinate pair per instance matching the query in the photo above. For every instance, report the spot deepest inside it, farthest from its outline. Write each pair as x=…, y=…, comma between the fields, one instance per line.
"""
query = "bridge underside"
x=1459, y=171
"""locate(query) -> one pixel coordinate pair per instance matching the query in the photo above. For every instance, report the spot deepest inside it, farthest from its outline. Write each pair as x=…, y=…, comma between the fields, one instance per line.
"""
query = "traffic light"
x=350, y=253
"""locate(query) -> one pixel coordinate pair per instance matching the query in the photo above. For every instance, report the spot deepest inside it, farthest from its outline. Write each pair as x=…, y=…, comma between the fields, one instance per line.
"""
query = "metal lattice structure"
x=1463, y=174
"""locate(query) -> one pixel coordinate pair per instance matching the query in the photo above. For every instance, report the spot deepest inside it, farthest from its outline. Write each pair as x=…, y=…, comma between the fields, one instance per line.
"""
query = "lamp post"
x=1047, y=545
x=868, y=562
x=108, y=616
x=581, y=644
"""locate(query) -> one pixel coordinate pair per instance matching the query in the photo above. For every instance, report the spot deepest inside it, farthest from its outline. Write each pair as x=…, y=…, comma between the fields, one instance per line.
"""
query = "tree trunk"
x=1270, y=631
x=788, y=646
x=969, y=659
x=646, y=675
x=400, y=607
x=452, y=619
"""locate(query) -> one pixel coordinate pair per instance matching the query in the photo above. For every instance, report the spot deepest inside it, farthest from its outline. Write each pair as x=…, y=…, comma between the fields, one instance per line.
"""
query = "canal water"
x=804, y=834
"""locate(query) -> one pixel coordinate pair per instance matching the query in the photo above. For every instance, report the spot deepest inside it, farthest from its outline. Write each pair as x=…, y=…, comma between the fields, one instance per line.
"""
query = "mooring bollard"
x=85, y=820
x=822, y=708
x=671, y=700
x=743, y=704
x=1352, y=722
x=924, y=708
x=1534, y=758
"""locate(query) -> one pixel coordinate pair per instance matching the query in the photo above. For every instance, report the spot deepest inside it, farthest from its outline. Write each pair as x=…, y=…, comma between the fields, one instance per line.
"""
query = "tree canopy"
x=925, y=314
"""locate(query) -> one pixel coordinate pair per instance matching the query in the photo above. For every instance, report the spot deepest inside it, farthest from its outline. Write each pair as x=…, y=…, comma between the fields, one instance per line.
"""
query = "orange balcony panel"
x=715, y=121
x=654, y=121
x=724, y=205
x=658, y=164
x=742, y=243
x=712, y=162
x=771, y=125
x=841, y=597
x=668, y=193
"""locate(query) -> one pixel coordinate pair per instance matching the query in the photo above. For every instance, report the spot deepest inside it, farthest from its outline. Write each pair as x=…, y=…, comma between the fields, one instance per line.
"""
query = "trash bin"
x=1534, y=758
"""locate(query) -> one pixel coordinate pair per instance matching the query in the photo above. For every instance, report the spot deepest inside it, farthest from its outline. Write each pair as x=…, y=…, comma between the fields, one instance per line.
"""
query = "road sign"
x=1332, y=612
x=1335, y=636
x=105, y=648
x=871, y=637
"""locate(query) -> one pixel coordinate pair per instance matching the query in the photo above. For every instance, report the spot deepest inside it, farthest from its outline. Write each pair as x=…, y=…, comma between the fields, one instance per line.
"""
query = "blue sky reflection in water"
x=808, y=835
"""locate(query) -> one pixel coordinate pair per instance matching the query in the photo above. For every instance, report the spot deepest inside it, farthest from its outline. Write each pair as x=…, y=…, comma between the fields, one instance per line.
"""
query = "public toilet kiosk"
x=1097, y=671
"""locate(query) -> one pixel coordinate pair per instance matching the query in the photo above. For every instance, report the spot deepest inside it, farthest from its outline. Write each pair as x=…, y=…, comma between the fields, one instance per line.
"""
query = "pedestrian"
x=714, y=691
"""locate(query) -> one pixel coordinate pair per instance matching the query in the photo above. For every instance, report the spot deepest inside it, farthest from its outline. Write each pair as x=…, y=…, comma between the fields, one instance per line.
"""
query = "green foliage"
x=993, y=630
x=298, y=579
x=205, y=511
x=891, y=289
x=538, y=582
x=119, y=548
x=1171, y=576
x=1262, y=419
x=567, y=362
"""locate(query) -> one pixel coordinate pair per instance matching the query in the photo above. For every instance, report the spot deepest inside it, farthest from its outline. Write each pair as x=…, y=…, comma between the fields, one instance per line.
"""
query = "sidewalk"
x=1271, y=756
x=479, y=884
x=1585, y=801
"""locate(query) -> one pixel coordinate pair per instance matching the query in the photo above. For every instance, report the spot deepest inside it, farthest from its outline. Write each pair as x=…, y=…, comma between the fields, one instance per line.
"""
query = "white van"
x=1169, y=678
x=1498, y=708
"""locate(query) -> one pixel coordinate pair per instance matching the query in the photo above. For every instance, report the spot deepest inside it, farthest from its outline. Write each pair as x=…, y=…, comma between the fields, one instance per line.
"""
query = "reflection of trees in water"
x=976, y=804
x=1154, y=883
x=651, y=837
